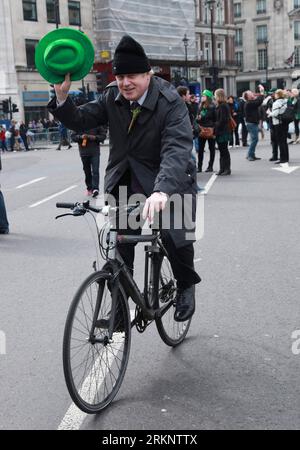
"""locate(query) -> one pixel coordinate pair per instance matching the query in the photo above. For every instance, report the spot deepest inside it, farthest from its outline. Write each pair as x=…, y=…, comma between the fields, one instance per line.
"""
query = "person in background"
x=206, y=118
x=222, y=132
x=252, y=118
x=4, y=225
x=267, y=105
x=241, y=119
x=281, y=128
x=184, y=93
x=194, y=105
x=233, y=106
x=63, y=137
x=23, y=133
x=3, y=139
x=89, y=150
x=296, y=102
x=13, y=132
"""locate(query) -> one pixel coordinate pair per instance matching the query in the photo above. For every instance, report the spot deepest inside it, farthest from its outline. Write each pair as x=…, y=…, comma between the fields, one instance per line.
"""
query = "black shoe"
x=220, y=172
x=250, y=159
x=256, y=159
x=5, y=231
x=58, y=149
x=278, y=162
x=70, y=146
x=226, y=172
x=199, y=170
x=245, y=145
x=273, y=159
x=95, y=193
x=185, y=304
x=209, y=169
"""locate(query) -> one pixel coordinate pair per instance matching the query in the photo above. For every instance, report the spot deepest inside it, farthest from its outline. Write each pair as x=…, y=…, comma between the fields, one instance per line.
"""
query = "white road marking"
x=74, y=417
x=52, y=196
x=30, y=182
x=286, y=168
x=209, y=184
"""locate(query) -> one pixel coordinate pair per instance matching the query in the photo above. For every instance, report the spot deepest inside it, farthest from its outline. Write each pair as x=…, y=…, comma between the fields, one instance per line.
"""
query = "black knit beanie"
x=130, y=57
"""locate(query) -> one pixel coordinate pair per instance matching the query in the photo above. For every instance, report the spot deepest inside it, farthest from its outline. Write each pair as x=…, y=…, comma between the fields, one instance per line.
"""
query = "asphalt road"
x=236, y=369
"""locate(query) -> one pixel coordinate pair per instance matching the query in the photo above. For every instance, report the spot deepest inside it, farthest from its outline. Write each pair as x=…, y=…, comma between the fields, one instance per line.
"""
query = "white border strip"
x=53, y=196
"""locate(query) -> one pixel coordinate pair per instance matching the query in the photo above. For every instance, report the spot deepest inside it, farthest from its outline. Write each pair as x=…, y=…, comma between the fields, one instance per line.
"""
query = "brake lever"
x=63, y=215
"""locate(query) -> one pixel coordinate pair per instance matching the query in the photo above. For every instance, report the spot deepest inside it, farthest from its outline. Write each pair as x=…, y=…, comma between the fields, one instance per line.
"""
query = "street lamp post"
x=214, y=68
x=185, y=41
x=267, y=62
x=56, y=6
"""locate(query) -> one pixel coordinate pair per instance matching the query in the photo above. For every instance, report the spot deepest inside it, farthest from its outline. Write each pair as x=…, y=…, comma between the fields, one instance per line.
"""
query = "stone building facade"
x=22, y=24
x=267, y=42
x=215, y=44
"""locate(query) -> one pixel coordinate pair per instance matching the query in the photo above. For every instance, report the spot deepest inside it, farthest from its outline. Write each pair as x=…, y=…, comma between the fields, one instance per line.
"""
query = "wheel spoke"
x=94, y=371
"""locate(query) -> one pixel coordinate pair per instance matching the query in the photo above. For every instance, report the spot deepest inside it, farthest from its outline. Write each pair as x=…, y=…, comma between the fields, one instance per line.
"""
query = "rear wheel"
x=171, y=332
x=94, y=371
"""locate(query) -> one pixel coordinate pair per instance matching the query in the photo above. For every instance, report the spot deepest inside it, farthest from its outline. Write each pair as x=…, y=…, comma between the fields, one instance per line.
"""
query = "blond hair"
x=220, y=96
x=280, y=93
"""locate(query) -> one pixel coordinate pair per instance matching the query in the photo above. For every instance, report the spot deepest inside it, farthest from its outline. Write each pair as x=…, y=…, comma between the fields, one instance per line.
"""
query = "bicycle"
x=97, y=333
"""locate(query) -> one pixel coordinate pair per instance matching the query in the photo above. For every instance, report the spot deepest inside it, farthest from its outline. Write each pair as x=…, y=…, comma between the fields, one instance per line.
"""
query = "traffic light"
x=15, y=108
x=101, y=79
x=5, y=106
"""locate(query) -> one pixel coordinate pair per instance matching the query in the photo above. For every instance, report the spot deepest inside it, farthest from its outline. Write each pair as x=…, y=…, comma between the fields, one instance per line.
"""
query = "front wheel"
x=94, y=365
x=171, y=332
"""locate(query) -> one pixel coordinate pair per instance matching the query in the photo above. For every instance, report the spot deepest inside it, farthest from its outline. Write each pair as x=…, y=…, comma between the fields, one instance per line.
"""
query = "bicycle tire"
x=98, y=375
x=171, y=332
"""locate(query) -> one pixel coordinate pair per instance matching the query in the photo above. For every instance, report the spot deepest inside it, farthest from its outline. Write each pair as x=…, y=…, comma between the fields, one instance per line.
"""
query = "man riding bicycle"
x=151, y=141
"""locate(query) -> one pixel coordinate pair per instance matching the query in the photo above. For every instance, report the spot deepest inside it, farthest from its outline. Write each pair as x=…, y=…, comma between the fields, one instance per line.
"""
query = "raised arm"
x=81, y=118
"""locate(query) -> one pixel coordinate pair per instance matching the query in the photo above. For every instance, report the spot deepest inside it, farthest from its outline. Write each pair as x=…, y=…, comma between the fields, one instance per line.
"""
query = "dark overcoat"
x=158, y=147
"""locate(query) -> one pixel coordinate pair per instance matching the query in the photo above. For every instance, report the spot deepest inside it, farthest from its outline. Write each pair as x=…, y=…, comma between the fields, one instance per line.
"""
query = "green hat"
x=271, y=91
x=208, y=93
x=63, y=51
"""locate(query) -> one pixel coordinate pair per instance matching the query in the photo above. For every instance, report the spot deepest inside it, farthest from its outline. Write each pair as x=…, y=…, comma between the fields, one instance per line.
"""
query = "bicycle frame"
x=120, y=272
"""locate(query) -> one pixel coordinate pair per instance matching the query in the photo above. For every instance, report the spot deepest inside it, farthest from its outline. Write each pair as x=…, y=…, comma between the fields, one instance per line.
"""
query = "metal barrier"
x=45, y=137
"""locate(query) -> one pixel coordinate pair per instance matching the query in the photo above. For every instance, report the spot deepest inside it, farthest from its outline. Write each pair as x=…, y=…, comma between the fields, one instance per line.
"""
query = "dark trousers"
x=3, y=145
x=244, y=132
x=12, y=143
x=274, y=143
x=225, y=160
x=91, y=170
x=63, y=141
x=281, y=132
x=296, y=122
x=24, y=139
x=212, y=152
x=3, y=217
x=236, y=136
x=181, y=259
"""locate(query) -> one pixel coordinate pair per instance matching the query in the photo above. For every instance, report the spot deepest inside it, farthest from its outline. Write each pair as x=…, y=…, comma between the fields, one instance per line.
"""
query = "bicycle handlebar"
x=66, y=205
x=85, y=206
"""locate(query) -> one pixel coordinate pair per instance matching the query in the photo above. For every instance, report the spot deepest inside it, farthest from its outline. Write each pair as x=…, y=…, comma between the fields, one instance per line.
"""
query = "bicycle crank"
x=140, y=322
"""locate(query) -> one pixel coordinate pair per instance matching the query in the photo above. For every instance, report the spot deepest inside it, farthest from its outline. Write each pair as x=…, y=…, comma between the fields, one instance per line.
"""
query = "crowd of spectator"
x=228, y=122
